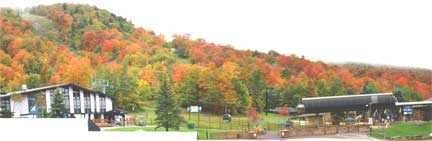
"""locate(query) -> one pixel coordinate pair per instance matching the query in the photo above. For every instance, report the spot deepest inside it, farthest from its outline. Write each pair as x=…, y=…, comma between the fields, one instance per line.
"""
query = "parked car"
x=275, y=110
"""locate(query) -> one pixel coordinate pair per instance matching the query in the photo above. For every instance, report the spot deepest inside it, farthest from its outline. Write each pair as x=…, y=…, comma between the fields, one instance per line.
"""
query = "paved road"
x=342, y=136
x=273, y=136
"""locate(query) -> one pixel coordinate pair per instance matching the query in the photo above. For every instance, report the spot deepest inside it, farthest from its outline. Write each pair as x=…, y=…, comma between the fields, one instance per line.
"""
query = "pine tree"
x=190, y=95
x=167, y=111
x=369, y=88
x=243, y=99
x=256, y=86
x=336, y=87
x=58, y=106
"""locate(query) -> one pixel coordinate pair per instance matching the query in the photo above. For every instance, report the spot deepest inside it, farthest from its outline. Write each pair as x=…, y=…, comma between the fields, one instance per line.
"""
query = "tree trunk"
x=166, y=129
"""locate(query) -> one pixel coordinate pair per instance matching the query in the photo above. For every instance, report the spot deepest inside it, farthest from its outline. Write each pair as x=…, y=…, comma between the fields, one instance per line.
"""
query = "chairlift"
x=226, y=117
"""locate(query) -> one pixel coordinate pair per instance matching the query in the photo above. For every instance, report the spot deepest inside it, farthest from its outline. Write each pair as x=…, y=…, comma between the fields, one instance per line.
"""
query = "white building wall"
x=92, y=103
x=48, y=100
x=108, y=104
x=82, y=101
x=71, y=102
x=19, y=107
x=97, y=103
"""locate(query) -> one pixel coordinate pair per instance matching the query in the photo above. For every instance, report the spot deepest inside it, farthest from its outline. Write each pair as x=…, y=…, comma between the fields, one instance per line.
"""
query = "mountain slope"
x=82, y=44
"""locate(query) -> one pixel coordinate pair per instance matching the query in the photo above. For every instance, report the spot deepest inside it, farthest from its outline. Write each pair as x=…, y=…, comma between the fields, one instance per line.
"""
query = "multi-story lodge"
x=79, y=102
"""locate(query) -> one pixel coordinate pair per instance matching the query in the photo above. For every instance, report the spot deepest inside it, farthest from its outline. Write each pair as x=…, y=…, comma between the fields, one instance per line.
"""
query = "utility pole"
x=266, y=102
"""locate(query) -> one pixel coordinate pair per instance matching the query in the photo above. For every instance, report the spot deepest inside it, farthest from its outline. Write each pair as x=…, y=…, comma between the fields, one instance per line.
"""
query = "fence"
x=329, y=130
x=293, y=132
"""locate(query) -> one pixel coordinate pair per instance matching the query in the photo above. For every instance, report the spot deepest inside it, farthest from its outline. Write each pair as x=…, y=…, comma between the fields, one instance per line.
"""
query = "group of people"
x=385, y=118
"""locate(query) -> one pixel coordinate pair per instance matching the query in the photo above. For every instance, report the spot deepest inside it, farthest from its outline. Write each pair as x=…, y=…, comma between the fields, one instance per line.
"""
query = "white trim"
x=359, y=95
x=31, y=90
x=108, y=104
x=46, y=87
x=92, y=103
x=97, y=103
x=414, y=103
x=48, y=100
x=82, y=101
x=71, y=101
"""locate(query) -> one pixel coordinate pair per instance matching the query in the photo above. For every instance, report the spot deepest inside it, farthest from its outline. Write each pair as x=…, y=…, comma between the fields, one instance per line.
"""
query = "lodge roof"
x=417, y=103
x=35, y=90
x=347, y=103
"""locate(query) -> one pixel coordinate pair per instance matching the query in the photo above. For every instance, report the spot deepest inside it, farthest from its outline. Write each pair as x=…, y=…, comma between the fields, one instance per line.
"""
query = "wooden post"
x=198, y=118
x=220, y=123
x=248, y=128
x=231, y=125
x=337, y=129
x=268, y=126
x=209, y=118
x=239, y=122
x=325, y=132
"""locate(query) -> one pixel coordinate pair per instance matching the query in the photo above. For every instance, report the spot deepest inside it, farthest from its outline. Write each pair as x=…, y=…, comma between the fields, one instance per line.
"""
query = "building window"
x=51, y=95
x=77, y=102
x=5, y=104
x=102, y=104
x=94, y=103
x=65, y=92
x=31, y=102
x=87, y=103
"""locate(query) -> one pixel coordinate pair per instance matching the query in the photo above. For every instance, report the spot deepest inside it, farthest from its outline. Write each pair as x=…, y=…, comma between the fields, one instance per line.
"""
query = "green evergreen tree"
x=213, y=100
x=190, y=92
x=407, y=94
x=125, y=89
x=243, y=99
x=257, y=85
x=58, y=106
x=322, y=88
x=294, y=92
x=336, y=87
x=33, y=81
x=369, y=88
x=167, y=111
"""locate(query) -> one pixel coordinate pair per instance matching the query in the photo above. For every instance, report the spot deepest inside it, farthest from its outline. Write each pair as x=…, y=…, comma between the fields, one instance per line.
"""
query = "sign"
x=194, y=109
x=374, y=99
x=370, y=121
x=407, y=110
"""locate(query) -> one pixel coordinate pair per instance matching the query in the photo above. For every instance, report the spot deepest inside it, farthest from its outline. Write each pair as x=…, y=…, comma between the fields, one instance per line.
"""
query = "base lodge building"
x=79, y=102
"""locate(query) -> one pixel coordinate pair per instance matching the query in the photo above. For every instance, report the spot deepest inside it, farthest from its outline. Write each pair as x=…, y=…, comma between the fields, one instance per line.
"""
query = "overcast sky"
x=391, y=32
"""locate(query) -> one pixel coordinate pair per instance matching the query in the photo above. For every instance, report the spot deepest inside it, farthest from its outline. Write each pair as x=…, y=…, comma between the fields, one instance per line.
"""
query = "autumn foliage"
x=87, y=43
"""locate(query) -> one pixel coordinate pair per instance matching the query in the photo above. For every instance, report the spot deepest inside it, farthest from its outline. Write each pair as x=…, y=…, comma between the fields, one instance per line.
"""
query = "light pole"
x=266, y=100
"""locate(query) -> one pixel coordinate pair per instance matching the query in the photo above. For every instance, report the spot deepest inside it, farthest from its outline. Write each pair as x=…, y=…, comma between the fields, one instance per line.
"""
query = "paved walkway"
x=273, y=136
x=342, y=136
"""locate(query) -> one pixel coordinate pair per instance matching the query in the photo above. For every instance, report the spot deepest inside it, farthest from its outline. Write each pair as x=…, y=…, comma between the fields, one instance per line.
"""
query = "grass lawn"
x=213, y=121
x=405, y=129
x=201, y=132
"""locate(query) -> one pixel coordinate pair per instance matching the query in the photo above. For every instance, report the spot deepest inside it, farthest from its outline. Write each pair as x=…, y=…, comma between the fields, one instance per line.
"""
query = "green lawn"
x=213, y=121
x=201, y=132
x=405, y=129
x=208, y=121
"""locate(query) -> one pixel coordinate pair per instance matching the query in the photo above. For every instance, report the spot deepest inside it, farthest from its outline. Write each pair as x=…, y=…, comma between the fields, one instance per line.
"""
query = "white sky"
x=392, y=32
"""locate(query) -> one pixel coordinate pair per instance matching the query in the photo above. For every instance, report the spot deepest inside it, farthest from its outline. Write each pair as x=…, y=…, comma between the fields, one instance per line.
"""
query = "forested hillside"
x=67, y=43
